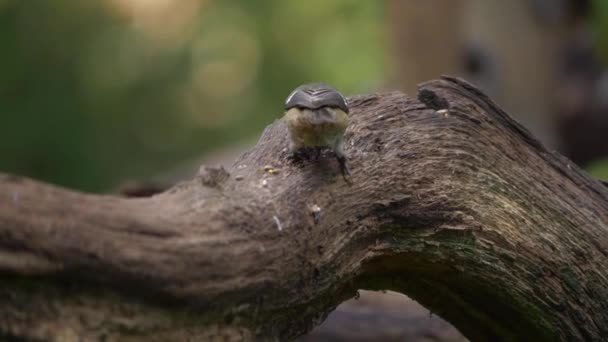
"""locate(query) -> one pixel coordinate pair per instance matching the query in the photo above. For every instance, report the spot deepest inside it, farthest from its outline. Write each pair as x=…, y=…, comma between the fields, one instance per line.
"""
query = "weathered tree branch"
x=451, y=202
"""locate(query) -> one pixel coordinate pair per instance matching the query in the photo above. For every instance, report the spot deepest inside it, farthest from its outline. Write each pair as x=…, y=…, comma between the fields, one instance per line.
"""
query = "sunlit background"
x=95, y=93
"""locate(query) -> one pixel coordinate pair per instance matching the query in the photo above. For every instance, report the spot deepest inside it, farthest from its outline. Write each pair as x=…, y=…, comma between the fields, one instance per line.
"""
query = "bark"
x=450, y=202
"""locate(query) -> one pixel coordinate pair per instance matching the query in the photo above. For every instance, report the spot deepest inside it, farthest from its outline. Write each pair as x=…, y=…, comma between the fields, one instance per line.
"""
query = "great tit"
x=316, y=115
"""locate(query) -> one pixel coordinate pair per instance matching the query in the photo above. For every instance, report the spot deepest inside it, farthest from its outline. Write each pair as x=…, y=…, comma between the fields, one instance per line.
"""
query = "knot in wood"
x=213, y=176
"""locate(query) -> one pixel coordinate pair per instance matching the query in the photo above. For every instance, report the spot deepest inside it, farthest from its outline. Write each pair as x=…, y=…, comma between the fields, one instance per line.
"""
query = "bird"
x=316, y=116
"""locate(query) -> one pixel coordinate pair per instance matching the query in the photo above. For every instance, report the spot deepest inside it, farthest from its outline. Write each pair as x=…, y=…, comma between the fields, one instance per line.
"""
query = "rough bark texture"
x=451, y=202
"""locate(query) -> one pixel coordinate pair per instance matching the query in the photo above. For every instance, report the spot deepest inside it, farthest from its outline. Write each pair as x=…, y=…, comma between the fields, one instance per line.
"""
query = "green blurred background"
x=93, y=93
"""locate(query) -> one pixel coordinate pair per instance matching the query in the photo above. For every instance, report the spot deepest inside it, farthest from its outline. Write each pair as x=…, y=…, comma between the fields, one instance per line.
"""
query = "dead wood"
x=452, y=203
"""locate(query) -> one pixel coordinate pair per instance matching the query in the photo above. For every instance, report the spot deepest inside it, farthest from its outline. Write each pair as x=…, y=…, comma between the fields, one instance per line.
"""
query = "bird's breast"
x=312, y=128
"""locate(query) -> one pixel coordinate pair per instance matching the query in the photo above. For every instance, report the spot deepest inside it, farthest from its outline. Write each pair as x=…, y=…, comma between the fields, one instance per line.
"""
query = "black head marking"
x=315, y=96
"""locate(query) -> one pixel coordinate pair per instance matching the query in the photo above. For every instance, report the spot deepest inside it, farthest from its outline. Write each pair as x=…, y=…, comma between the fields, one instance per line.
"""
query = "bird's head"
x=314, y=96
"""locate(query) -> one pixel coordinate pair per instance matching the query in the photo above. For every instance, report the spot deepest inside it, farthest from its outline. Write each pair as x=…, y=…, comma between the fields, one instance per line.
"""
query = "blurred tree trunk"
x=526, y=51
x=427, y=39
x=502, y=46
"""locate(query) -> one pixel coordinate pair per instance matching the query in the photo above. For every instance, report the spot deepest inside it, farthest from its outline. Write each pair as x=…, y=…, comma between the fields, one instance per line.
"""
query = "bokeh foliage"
x=600, y=26
x=599, y=169
x=95, y=92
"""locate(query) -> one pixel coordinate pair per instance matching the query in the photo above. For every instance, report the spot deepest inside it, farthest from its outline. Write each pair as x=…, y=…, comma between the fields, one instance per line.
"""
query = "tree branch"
x=452, y=203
